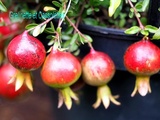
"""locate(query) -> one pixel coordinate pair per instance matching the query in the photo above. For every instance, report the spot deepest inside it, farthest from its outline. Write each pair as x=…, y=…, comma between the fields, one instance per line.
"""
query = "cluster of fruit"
x=61, y=69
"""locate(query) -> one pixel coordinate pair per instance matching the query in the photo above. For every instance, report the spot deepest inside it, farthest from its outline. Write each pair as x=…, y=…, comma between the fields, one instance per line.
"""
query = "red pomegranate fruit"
x=7, y=71
x=143, y=60
x=26, y=52
x=97, y=70
x=60, y=70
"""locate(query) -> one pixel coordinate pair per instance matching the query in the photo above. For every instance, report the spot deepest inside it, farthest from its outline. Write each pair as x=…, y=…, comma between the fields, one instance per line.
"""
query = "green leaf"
x=49, y=30
x=90, y=21
x=156, y=36
x=74, y=38
x=52, y=26
x=66, y=37
x=89, y=11
x=76, y=53
x=138, y=6
x=151, y=29
x=114, y=4
x=57, y=4
x=75, y=1
x=87, y=39
x=144, y=32
x=134, y=1
x=36, y=31
x=145, y=5
x=132, y=30
x=43, y=27
x=32, y=25
x=2, y=7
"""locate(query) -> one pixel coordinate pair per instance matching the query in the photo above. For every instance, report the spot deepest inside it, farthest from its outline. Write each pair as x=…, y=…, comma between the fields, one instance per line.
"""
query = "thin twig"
x=89, y=43
x=135, y=12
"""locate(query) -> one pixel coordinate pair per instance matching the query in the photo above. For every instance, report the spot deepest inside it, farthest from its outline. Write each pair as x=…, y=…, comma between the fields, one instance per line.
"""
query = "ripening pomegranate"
x=7, y=71
x=26, y=52
x=143, y=60
x=98, y=69
x=60, y=70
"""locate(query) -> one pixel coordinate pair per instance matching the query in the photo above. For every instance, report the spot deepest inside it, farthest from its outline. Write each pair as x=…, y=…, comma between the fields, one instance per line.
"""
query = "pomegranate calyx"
x=21, y=78
x=142, y=85
x=66, y=95
x=104, y=95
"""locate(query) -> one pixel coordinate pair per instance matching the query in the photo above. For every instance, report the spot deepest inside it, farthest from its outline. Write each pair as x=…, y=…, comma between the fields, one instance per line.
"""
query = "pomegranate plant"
x=142, y=59
x=7, y=71
x=60, y=70
x=25, y=53
x=98, y=69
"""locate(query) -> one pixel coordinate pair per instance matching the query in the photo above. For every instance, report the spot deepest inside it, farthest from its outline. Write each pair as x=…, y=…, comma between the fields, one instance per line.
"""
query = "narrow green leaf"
x=32, y=25
x=36, y=31
x=74, y=38
x=52, y=26
x=57, y=4
x=43, y=28
x=2, y=7
x=151, y=29
x=66, y=37
x=51, y=42
x=114, y=4
x=156, y=36
x=49, y=30
x=132, y=30
x=77, y=52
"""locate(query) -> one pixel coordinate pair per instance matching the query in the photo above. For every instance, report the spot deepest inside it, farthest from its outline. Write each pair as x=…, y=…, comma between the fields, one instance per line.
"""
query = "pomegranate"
x=60, y=70
x=25, y=52
x=7, y=71
x=143, y=60
x=98, y=69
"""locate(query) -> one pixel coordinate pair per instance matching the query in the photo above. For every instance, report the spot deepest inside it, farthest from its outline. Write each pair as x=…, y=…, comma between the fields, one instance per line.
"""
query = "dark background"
x=42, y=103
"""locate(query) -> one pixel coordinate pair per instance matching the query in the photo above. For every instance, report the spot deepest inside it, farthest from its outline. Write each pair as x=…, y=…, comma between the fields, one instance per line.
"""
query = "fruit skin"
x=7, y=71
x=98, y=68
x=25, y=52
x=143, y=60
x=60, y=69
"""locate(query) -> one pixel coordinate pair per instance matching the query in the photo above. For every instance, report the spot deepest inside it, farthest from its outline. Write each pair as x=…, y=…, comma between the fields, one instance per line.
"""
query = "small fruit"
x=25, y=52
x=98, y=69
x=7, y=71
x=143, y=60
x=60, y=70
